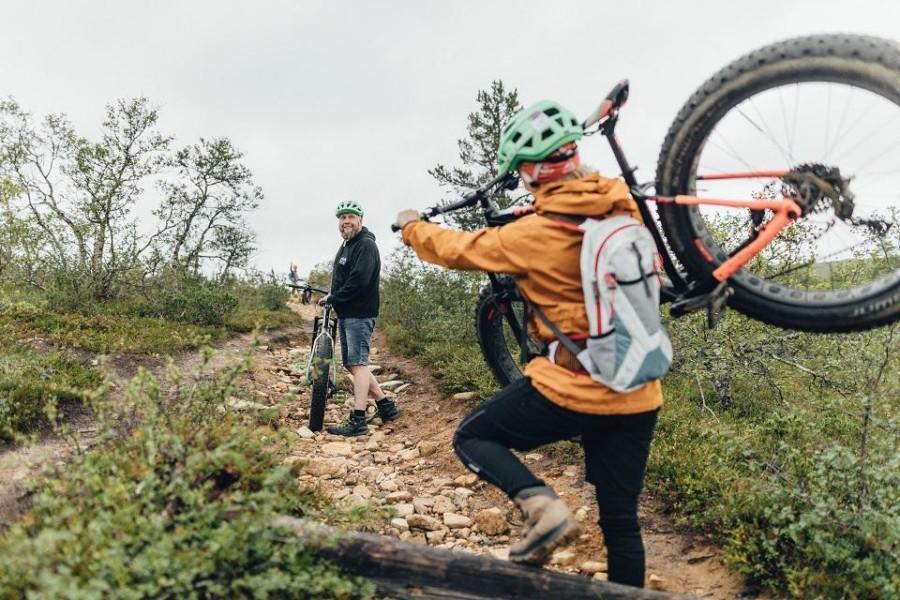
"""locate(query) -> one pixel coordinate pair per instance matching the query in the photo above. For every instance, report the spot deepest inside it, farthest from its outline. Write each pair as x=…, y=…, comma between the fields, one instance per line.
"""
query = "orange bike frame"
x=785, y=212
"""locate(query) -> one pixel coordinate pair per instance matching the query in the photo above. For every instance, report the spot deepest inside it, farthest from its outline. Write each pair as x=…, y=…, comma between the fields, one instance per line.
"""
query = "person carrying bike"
x=354, y=295
x=555, y=400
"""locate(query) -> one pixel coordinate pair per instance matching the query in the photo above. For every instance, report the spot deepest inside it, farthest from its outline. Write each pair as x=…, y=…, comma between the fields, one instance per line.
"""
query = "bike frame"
x=785, y=211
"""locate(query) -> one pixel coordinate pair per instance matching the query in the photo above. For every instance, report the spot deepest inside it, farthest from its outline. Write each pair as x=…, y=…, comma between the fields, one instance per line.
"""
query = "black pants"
x=615, y=457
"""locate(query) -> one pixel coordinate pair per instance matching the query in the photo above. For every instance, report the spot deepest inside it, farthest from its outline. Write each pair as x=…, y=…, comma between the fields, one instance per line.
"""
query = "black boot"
x=354, y=425
x=386, y=409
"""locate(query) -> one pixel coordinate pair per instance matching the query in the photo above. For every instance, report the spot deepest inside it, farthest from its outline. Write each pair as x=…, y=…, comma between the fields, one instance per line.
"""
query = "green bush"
x=192, y=301
x=768, y=440
x=180, y=506
x=429, y=312
x=833, y=531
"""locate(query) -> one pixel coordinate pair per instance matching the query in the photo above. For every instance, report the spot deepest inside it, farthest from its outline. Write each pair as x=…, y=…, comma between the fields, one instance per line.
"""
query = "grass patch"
x=30, y=380
x=246, y=319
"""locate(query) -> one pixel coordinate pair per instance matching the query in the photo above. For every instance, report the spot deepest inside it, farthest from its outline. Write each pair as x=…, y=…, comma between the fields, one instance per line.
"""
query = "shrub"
x=180, y=506
x=191, y=301
x=833, y=531
x=429, y=312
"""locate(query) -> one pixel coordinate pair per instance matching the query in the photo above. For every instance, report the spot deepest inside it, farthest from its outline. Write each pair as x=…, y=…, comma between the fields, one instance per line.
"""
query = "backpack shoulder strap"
x=563, y=338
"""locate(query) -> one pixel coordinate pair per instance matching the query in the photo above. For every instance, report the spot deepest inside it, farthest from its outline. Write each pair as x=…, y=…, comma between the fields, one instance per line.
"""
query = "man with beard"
x=354, y=296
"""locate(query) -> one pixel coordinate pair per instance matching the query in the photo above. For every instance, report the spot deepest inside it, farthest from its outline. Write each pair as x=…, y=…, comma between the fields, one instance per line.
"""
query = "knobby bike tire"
x=321, y=374
x=492, y=339
x=870, y=63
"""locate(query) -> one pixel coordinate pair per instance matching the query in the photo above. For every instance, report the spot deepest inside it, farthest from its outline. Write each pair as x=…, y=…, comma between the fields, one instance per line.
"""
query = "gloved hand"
x=405, y=217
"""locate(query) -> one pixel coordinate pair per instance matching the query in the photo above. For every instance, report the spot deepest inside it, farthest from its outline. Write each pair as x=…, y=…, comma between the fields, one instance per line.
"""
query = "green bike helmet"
x=535, y=133
x=349, y=207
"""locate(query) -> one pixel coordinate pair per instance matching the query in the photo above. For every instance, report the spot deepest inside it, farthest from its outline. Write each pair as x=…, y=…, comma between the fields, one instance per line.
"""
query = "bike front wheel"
x=499, y=319
x=321, y=373
x=813, y=105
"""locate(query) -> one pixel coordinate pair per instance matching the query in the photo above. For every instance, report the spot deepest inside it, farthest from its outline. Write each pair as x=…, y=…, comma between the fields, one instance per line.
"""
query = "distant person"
x=294, y=277
x=557, y=399
x=354, y=295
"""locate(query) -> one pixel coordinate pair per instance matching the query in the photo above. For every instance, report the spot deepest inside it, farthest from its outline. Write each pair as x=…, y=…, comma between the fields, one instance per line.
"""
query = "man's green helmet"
x=535, y=133
x=349, y=207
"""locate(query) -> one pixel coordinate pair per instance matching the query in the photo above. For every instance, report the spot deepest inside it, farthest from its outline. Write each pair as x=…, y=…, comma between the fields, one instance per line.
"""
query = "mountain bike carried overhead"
x=321, y=369
x=777, y=191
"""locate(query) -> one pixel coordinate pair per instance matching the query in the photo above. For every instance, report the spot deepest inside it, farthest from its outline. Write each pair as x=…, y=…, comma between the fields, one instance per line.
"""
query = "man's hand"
x=324, y=300
x=405, y=217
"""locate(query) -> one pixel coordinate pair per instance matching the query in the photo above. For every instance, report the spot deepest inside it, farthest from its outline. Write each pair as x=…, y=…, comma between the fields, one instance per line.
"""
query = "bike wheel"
x=320, y=382
x=809, y=103
x=498, y=341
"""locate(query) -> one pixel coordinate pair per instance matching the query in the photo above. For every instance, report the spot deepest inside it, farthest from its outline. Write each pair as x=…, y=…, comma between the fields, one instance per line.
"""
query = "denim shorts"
x=356, y=335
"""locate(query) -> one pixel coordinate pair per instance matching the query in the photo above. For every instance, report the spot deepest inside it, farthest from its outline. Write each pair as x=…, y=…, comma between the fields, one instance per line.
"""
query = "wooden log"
x=406, y=571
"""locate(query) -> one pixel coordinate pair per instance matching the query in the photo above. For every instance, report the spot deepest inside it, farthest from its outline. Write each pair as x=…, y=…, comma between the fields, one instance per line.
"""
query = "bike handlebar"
x=482, y=194
x=308, y=287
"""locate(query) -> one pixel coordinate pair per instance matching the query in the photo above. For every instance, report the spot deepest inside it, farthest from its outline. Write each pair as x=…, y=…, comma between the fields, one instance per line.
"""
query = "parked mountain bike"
x=321, y=368
x=753, y=195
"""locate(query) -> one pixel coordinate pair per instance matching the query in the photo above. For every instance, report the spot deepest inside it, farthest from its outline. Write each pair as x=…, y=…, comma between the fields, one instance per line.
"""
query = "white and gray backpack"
x=627, y=345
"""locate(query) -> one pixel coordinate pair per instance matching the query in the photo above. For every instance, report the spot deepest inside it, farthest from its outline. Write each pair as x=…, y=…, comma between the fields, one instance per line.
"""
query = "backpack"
x=627, y=345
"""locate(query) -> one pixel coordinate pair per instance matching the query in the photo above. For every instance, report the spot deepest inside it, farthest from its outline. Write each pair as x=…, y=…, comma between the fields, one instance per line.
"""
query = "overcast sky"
x=351, y=99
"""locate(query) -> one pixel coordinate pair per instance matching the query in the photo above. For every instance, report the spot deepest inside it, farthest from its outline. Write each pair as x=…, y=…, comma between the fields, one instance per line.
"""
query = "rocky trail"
x=409, y=465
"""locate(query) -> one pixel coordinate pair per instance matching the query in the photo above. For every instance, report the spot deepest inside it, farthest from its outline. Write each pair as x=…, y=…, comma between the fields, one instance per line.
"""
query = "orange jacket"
x=545, y=256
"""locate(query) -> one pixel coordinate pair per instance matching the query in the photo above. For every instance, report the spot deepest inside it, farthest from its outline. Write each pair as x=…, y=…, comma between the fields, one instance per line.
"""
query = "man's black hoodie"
x=355, y=277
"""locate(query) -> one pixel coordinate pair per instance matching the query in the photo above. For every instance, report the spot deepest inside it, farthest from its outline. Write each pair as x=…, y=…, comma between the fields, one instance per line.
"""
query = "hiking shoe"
x=548, y=524
x=353, y=425
x=386, y=409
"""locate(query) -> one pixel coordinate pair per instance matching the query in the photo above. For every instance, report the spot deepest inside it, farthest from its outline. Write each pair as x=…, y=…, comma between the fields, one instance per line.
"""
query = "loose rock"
x=436, y=537
x=592, y=566
x=491, y=522
x=337, y=449
x=423, y=522
x=455, y=521
x=562, y=558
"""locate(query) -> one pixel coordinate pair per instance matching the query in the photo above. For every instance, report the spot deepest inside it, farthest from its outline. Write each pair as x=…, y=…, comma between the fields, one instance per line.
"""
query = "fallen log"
x=406, y=571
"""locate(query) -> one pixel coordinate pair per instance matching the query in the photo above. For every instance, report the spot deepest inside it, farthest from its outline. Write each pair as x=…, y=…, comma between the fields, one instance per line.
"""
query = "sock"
x=359, y=413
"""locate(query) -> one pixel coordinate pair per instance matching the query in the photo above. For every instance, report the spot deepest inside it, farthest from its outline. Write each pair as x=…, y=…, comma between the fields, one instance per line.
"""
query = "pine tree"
x=478, y=152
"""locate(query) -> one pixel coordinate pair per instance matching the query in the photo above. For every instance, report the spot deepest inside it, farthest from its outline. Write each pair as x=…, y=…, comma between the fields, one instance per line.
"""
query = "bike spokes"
x=840, y=148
